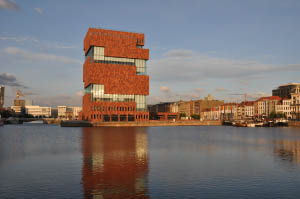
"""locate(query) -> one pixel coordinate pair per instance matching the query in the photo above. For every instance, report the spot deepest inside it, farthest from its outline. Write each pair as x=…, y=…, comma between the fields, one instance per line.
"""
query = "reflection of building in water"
x=115, y=162
x=288, y=150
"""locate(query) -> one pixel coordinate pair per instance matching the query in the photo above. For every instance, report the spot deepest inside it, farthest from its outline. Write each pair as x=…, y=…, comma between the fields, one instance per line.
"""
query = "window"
x=140, y=66
x=97, y=54
x=140, y=102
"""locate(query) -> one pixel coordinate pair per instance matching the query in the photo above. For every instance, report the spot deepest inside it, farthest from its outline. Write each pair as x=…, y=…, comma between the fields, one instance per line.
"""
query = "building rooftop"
x=290, y=84
x=269, y=98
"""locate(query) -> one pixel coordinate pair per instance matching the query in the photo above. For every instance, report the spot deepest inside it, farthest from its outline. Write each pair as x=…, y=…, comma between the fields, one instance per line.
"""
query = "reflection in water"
x=288, y=150
x=115, y=162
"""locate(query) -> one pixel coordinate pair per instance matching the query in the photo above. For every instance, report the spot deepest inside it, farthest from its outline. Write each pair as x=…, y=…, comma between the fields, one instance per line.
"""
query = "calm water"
x=44, y=161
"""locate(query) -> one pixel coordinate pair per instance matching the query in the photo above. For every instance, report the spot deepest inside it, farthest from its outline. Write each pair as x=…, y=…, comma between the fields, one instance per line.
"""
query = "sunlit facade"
x=115, y=77
x=38, y=111
x=1, y=96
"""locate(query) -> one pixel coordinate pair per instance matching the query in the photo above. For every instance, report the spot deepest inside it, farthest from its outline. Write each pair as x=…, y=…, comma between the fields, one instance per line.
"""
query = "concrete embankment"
x=51, y=121
x=78, y=123
x=159, y=123
x=294, y=123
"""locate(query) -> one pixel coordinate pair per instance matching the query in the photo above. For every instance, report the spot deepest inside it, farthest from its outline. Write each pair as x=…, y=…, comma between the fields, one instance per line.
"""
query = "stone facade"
x=295, y=104
x=117, y=71
x=264, y=106
x=1, y=96
x=285, y=90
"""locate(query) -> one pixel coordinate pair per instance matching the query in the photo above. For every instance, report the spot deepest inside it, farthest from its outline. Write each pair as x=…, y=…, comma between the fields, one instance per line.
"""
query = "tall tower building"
x=1, y=96
x=114, y=74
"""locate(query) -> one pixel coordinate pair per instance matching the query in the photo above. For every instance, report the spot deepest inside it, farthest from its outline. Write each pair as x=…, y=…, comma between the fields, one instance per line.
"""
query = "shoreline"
x=79, y=123
x=159, y=123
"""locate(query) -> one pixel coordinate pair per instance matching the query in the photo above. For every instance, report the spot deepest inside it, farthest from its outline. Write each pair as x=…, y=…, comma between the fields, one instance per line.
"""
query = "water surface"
x=47, y=161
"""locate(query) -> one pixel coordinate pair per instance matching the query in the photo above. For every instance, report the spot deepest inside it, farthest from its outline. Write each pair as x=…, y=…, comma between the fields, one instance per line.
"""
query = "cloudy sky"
x=196, y=47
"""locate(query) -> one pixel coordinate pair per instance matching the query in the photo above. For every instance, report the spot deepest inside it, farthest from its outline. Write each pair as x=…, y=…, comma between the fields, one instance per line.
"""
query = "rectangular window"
x=140, y=66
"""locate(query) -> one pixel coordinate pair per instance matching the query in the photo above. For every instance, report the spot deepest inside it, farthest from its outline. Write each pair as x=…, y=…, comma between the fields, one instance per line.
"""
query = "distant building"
x=295, y=103
x=245, y=110
x=284, y=106
x=161, y=107
x=208, y=102
x=20, y=103
x=226, y=112
x=185, y=108
x=264, y=106
x=17, y=109
x=38, y=111
x=75, y=111
x=249, y=109
x=54, y=113
x=195, y=107
x=69, y=113
x=285, y=90
x=1, y=96
x=61, y=112
x=207, y=109
x=164, y=111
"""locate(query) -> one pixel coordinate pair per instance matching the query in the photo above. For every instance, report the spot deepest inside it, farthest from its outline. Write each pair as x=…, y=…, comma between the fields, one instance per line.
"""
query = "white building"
x=1, y=96
x=17, y=109
x=295, y=103
x=61, y=112
x=64, y=112
x=75, y=110
x=228, y=111
x=264, y=106
x=38, y=111
x=285, y=107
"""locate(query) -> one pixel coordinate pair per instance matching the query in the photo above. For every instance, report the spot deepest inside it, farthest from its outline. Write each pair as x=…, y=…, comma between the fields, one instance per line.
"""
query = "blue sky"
x=196, y=47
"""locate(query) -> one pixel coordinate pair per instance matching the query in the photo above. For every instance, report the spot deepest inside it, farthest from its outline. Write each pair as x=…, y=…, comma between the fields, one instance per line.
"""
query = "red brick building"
x=114, y=76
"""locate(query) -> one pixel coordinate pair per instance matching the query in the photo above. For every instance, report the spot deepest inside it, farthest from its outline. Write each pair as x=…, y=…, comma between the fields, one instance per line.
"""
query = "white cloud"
x=61, y=46
x=179, y=53
x=33, y=56
x=255, y=96
x=34, y=41
x=8, y=5
x=54, y=101
x=39, y=11
x=198, y=89
x=165, y=89
x=170, y=96
x=80, y=93
x=19, y=39
x=221, y=90
x=188, y=66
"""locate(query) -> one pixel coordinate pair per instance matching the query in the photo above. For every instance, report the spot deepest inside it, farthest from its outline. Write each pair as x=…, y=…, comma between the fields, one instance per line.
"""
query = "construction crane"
x=18, y=94
x=242, y=94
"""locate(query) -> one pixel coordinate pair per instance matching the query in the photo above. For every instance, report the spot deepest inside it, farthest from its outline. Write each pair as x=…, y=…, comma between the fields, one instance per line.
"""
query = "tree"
x=6, y=113
x=275, y=115
x=182, y=115
x=196, y=117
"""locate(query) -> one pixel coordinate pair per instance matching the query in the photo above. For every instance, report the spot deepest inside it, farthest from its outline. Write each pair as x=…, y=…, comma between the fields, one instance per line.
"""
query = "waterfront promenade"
x=161, y=123
x=78, y=123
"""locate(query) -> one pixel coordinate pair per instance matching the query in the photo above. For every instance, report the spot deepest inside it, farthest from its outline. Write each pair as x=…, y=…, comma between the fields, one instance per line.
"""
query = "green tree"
x=196, y=117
